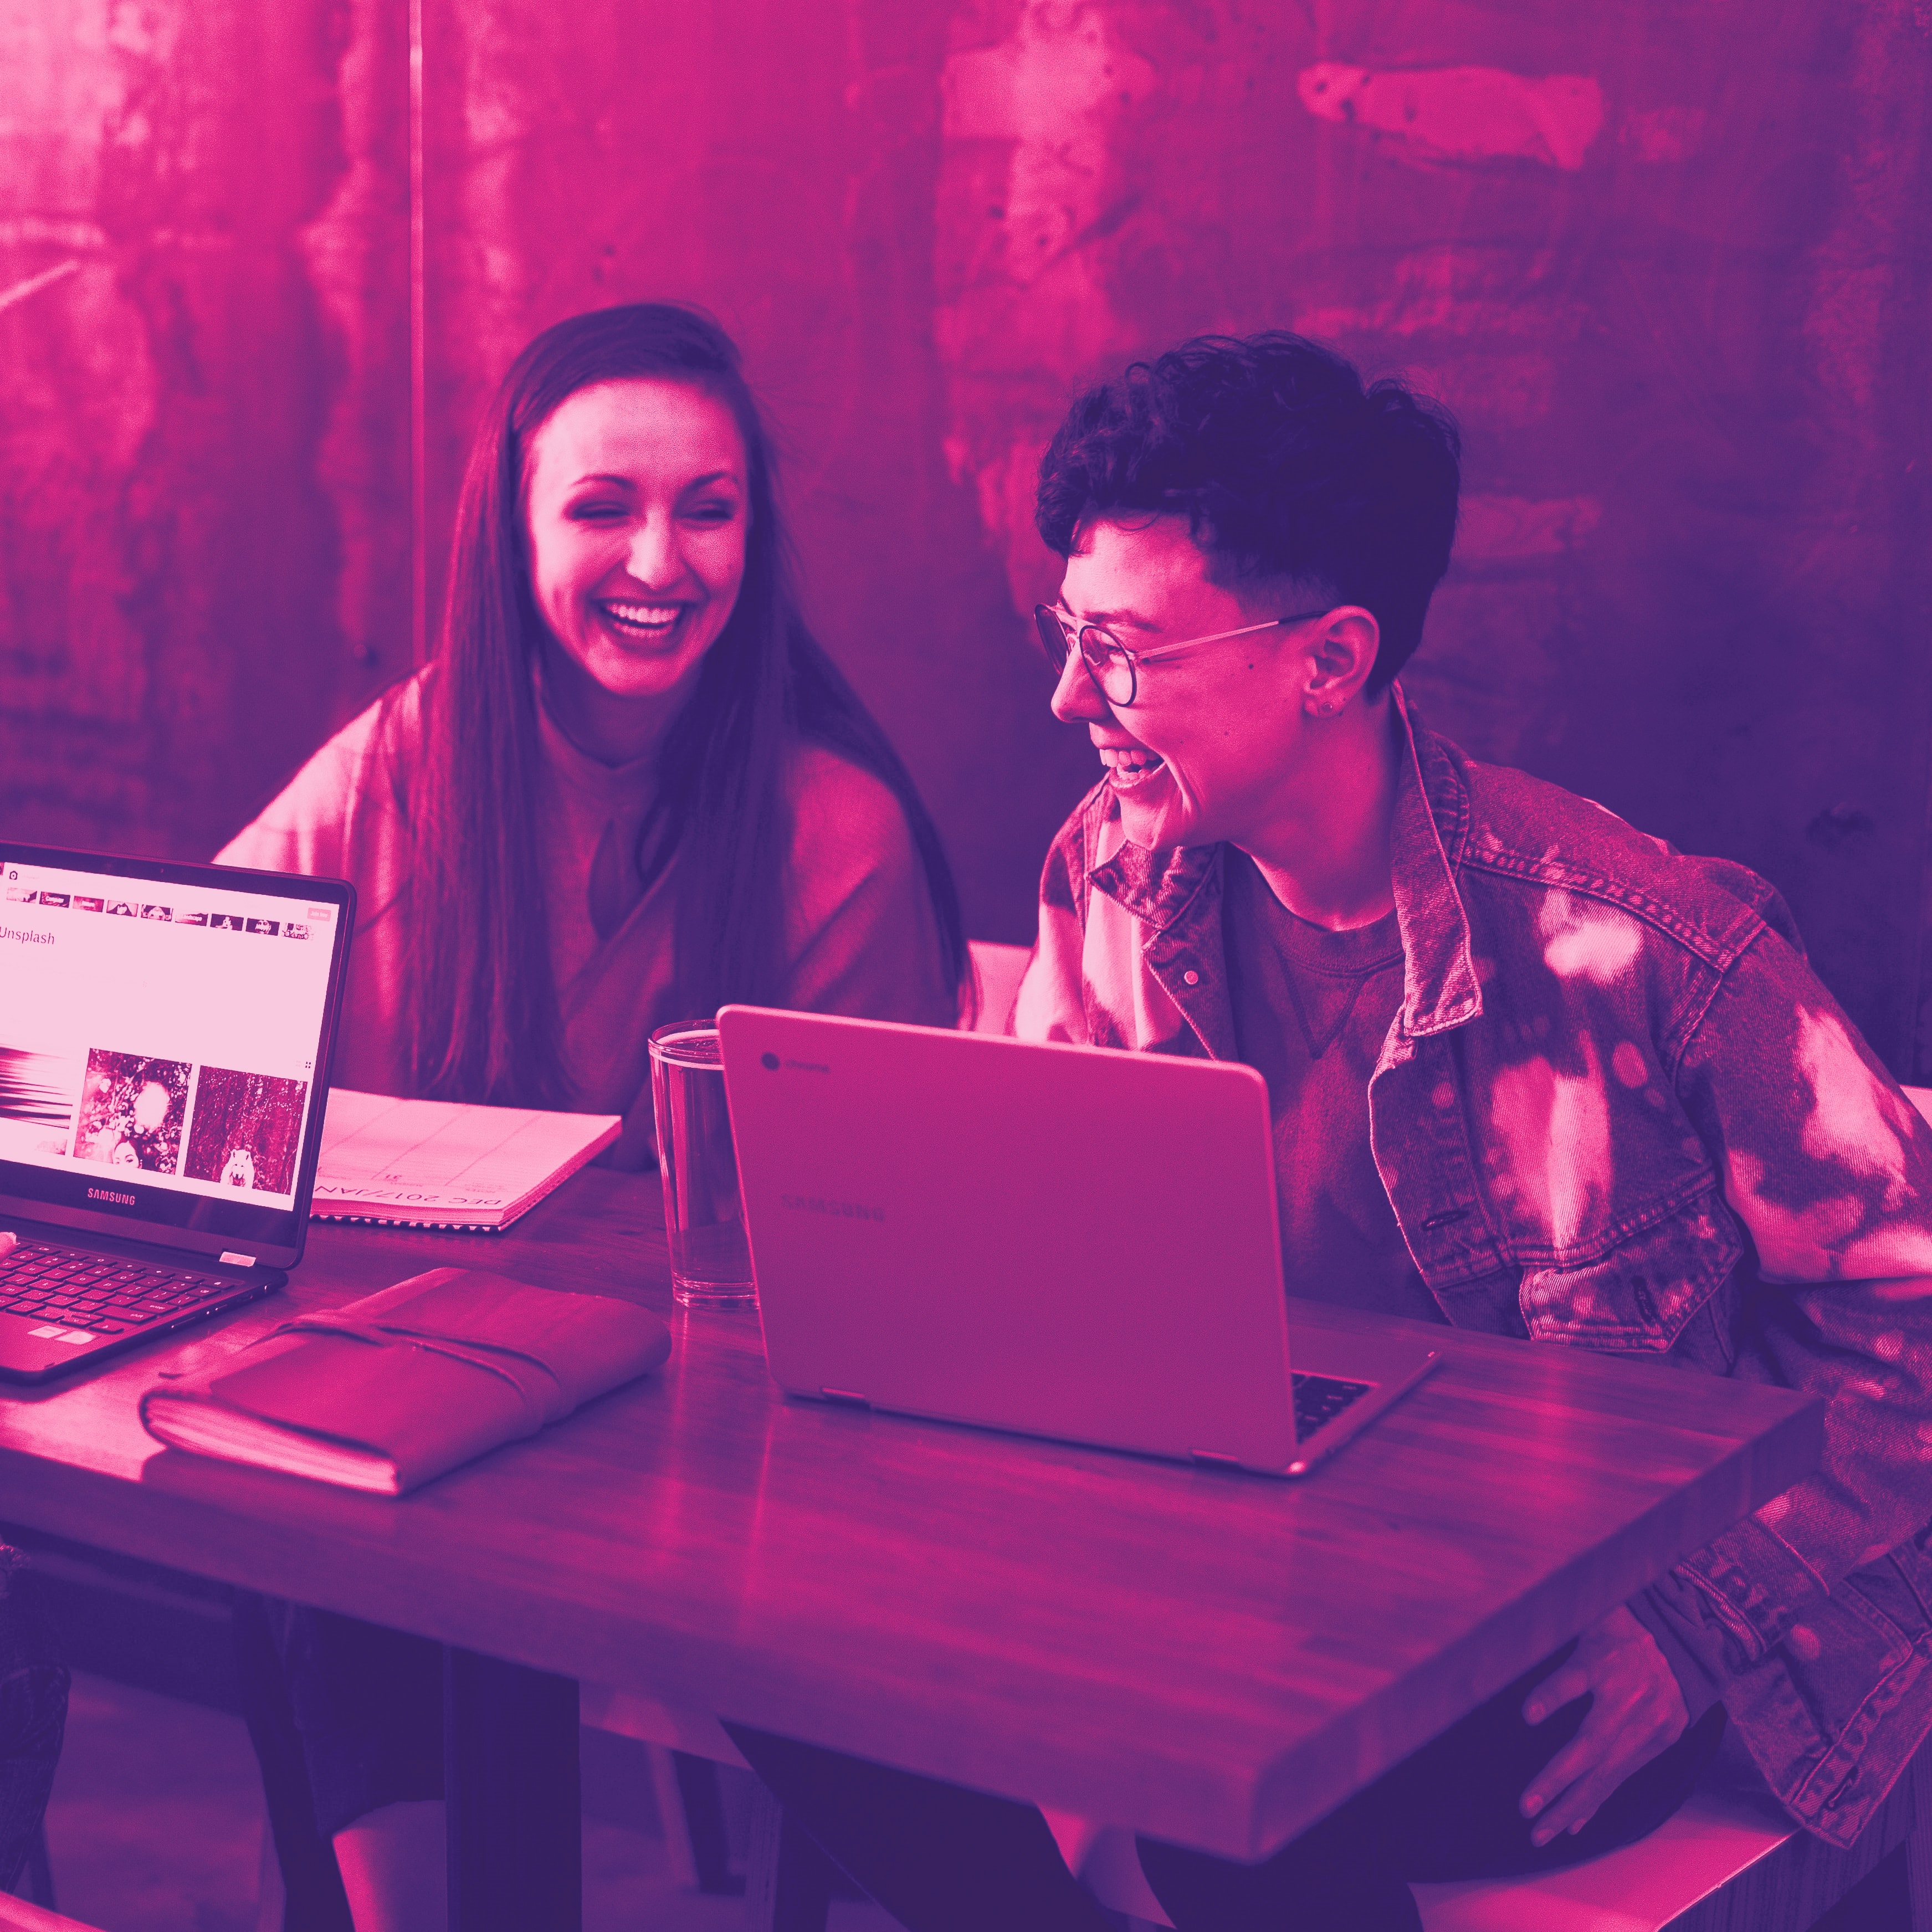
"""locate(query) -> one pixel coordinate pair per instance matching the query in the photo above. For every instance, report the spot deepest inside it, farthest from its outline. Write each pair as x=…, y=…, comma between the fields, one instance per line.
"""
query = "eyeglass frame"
x=1044, y=613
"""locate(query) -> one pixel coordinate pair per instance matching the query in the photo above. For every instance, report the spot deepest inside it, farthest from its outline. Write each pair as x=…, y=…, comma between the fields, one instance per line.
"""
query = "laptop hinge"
x=233, y=1260
x=846, y=1395
x=1215, y=1456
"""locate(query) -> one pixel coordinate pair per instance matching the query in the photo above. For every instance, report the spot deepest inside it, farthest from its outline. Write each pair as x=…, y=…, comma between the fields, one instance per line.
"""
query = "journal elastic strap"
x=539, y=1407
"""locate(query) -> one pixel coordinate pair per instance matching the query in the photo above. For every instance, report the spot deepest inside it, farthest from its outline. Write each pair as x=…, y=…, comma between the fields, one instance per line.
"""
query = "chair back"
x=997, y=972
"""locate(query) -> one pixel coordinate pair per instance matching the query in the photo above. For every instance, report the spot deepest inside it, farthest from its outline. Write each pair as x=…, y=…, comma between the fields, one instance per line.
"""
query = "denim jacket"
x=1616, y=1100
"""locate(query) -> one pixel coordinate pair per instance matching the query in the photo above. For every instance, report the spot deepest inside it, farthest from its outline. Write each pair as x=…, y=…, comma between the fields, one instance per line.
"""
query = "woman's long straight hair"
x=482, y=1001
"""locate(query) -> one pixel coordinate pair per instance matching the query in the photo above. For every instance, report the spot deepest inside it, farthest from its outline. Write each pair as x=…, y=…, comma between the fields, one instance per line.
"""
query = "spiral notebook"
x=442, y=1164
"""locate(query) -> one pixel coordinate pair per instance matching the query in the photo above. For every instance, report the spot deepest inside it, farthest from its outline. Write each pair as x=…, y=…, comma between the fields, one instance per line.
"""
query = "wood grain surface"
x=1213, y=1658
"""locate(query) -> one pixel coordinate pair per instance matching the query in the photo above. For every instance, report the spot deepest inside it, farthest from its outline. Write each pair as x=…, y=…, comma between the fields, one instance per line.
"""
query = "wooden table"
x=1214, y=1658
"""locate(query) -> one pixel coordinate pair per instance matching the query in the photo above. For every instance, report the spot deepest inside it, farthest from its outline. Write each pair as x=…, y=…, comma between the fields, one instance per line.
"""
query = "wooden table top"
x=1212, y=1658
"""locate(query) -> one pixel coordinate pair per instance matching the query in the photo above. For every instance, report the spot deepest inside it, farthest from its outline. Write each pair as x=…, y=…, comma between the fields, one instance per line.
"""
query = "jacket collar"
x=1176, y=894
x=1162, y=890
x=1440, y=987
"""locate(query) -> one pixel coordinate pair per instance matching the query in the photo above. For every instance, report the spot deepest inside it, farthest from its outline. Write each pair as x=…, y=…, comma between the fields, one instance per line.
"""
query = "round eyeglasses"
x=1113, y=667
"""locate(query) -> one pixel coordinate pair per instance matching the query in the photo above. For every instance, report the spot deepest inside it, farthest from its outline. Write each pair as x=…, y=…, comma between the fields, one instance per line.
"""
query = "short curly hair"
x=1284, y=464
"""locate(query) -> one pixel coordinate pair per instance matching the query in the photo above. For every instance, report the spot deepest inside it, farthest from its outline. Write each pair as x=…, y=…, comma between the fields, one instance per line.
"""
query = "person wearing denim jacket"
x=1696, y=1159
x=1530, y=1071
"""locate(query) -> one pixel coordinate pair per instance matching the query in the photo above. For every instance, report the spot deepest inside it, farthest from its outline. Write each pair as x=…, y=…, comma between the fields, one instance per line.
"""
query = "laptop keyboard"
x=1320, y=1399
x=100, y=1293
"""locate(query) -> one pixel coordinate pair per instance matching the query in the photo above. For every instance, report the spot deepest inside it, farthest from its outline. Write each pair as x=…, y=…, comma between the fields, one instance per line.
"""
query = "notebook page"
x=440, y=1160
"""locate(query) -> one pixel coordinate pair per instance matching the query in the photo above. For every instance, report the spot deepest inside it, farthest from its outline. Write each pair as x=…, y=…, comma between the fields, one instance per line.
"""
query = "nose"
x=654, y=559
x=1076, y=700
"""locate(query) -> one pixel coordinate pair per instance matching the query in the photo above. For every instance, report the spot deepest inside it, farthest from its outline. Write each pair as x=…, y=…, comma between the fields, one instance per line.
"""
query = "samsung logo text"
x=108, y=1194
x=841, y=1211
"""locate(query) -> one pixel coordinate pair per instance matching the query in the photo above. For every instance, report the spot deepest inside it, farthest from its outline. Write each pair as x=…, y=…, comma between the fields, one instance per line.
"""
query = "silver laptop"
x=165, y=1032
x=1061, y=1240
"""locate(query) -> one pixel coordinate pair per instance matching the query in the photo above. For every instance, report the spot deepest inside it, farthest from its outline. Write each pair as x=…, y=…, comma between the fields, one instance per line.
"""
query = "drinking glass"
x=710, y=1261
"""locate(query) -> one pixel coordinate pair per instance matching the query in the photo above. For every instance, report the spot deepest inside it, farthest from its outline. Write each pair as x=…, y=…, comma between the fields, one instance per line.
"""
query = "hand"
x=1637, y=1711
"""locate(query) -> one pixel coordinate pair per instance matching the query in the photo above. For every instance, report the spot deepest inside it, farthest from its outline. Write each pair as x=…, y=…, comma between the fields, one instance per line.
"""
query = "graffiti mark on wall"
x=34, y=284
x=1462, y=113
x=1030, y=196
x=1505, y=529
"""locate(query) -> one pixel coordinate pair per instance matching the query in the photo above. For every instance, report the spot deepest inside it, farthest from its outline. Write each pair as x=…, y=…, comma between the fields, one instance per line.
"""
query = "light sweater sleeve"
x=1051, y=1004
x=312, y=824
x=338, y=817
x=860, y=935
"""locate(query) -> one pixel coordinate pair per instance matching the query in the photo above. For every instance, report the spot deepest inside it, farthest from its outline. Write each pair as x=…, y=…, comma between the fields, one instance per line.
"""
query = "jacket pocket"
x=1640, y=1296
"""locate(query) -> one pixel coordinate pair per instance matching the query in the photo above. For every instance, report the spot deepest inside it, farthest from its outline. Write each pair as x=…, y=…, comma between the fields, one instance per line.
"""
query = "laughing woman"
x=629, y=788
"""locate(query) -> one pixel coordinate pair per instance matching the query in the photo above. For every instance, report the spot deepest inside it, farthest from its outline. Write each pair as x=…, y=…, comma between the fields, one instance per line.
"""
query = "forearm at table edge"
x=1695, y=1656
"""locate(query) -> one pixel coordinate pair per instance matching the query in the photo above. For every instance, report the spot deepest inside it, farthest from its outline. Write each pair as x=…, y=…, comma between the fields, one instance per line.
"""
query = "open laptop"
x=1056, y=1240
x=165, y=1034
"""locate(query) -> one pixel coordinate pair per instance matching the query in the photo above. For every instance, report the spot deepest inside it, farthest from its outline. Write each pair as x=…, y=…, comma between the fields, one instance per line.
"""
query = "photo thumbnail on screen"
x=132, y=1109
x=248, y=1129
x=37, y=1094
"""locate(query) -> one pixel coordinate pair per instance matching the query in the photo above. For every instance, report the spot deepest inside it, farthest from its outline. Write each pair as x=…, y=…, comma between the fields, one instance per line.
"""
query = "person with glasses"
x=1531, y=1071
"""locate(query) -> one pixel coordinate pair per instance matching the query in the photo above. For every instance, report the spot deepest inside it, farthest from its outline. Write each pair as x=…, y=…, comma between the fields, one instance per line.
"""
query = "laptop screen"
x=160, y=1029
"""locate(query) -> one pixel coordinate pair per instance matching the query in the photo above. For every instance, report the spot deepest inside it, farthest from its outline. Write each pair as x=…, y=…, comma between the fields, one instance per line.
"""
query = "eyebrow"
x=696, y=482
x=1104, y=617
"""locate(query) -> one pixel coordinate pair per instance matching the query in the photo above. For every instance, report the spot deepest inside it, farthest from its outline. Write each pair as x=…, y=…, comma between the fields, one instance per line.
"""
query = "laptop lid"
x=165, y=1034
x=1058, y=1240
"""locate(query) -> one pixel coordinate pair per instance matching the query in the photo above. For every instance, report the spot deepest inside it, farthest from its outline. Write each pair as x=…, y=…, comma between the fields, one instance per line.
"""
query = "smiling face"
x=1203, y=752
x=636, y=514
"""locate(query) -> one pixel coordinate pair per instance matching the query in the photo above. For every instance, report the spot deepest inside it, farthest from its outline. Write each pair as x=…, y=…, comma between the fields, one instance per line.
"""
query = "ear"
x=1340, y=653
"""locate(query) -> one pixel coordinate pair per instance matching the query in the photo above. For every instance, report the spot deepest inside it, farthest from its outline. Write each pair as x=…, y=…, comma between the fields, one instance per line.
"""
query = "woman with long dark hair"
x=629, y=787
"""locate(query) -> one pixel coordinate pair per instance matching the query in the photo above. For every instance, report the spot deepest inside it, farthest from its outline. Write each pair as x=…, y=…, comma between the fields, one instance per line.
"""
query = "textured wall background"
x=200, y=424
x=1669, y=265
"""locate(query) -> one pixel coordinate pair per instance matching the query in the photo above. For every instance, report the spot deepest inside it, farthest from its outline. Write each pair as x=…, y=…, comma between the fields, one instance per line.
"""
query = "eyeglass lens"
x=1053, y=637
x=1112, y=669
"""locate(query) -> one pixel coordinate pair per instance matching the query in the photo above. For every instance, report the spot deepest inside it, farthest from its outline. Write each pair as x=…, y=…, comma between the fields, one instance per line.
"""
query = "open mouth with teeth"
x=1129, y=765
x=646, y=622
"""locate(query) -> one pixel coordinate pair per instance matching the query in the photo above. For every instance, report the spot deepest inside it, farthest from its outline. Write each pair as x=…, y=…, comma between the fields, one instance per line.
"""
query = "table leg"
x=699, y=1796
x=509, y=1750
x=789, y=1883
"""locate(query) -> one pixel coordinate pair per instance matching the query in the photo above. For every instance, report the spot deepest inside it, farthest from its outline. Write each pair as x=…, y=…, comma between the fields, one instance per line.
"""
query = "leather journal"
x=385, y=1393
